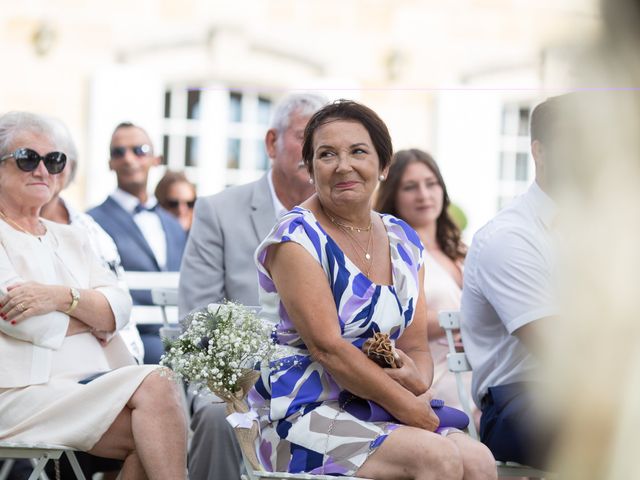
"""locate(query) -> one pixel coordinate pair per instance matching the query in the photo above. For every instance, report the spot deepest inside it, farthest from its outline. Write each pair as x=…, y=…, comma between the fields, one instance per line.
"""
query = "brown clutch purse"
x=380, y=349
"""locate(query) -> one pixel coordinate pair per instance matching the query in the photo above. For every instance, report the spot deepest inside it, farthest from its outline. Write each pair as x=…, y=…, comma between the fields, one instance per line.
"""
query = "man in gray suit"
x=218, y=262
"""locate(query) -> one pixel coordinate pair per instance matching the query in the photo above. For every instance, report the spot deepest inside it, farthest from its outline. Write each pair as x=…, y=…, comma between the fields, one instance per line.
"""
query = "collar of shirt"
x=543, y=204
x=148, y=222
x=277, y=204
x=72, y=212
x=130, y=202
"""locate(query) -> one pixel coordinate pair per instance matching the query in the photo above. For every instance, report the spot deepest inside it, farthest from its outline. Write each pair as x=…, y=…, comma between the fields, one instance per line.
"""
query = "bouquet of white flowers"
x=220, y=348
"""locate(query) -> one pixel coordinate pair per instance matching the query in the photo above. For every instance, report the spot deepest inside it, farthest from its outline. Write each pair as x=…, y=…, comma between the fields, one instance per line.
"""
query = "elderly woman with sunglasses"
x=66, y=377
x=60, y=211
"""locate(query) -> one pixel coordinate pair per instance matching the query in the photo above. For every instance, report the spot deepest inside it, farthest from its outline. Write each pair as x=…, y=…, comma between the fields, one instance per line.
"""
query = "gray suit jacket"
x=218, y=260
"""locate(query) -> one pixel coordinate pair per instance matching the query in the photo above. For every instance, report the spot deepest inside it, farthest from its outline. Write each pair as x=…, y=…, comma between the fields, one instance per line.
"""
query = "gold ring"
x=21, y=307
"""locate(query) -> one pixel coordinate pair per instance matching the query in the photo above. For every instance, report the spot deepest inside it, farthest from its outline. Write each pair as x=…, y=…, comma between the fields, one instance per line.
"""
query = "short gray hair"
x=305, y=104
x=68, y=146
x=13, y=124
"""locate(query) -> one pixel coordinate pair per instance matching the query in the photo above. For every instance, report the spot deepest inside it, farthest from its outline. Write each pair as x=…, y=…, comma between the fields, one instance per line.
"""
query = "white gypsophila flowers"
x=221, y=345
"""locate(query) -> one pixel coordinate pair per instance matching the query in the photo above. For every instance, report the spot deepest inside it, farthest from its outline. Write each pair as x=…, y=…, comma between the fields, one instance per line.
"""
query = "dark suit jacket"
x=135, y=252
x=218, y=261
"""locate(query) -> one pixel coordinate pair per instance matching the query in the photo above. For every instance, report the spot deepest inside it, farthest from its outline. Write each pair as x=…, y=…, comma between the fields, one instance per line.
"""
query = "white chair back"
x=165, y=298
x=150, y=280
x=165, y=309
x=457, y=363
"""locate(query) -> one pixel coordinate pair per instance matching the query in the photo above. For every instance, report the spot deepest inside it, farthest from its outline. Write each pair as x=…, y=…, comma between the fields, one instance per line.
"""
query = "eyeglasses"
x=172, y=203
x=28, y=160
x=138, y=151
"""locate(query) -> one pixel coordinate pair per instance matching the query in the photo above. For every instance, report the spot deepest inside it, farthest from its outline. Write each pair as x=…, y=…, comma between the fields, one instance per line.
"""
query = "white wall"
x=468, y=143
x=117, y=94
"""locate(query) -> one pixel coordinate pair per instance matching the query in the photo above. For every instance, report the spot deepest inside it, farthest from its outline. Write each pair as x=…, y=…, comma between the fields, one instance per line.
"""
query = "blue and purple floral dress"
x=302, y=425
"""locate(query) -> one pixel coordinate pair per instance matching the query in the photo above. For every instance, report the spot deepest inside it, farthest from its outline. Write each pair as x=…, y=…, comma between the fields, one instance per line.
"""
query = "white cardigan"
x=63, y=257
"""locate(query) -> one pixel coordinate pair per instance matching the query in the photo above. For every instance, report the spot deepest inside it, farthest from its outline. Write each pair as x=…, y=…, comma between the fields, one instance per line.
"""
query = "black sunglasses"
x=138, y=151
x=175, y=203
x=28, y=160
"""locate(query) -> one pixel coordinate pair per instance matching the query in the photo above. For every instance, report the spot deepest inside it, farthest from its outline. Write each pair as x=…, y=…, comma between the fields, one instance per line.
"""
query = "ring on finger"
x=21, y=307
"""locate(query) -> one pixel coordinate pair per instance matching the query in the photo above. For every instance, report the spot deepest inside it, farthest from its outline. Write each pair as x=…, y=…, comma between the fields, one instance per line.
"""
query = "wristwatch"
x=75, y=298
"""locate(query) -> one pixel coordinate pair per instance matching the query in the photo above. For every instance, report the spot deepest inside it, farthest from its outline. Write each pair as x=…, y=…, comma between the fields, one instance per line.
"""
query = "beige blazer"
x=63, y=257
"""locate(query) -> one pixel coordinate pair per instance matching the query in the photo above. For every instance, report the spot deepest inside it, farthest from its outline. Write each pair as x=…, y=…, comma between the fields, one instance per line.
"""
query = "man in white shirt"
x=218, y=261
x=148, y=238
x=508, y=301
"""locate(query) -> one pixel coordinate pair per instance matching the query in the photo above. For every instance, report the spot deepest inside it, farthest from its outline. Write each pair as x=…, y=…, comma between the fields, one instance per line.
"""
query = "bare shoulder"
x=291, y=255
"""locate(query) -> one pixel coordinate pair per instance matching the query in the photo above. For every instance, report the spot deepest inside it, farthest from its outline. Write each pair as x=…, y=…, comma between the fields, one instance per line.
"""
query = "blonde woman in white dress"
x=66, y=376
x=415, y=192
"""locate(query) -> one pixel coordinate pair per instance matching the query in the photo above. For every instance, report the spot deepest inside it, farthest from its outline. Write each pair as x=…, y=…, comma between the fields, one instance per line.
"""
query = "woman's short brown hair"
x=354, y=112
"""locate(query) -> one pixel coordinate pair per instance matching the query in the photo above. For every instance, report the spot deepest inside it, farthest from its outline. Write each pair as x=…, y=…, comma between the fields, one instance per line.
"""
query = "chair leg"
x=43, y=473
x=74, y=464
x=38, y=469
x=6, y=468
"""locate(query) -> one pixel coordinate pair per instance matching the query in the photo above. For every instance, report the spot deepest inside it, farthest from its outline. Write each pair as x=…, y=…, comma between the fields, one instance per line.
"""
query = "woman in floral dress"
x=333, y=273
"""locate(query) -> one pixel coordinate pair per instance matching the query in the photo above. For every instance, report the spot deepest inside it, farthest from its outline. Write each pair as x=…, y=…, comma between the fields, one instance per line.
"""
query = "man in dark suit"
x=148, y=238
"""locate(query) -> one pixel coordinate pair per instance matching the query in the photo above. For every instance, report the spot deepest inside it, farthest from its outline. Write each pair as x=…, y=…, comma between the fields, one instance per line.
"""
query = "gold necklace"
x=348, y=230
x=16, y=225
x=368, y=257
x=346, y=225
x=354, y=240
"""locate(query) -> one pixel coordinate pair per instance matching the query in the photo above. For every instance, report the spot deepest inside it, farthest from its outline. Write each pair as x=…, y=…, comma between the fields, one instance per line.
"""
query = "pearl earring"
x=311, y=181
x=381, y=178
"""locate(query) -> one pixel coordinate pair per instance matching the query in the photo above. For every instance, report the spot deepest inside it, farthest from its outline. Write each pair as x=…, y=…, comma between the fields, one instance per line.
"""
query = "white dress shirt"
x=507, y=284
x=148, y=223
x=278, y=207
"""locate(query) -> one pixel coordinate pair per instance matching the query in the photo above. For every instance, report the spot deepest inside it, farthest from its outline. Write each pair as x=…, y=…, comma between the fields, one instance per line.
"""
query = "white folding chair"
x=39, y=455
x=458, y=364
x=164, y=298
x=150, y=281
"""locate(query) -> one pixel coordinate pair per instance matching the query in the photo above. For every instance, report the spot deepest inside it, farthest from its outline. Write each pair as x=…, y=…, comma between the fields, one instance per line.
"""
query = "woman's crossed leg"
x=150, y=433
x=414, y=454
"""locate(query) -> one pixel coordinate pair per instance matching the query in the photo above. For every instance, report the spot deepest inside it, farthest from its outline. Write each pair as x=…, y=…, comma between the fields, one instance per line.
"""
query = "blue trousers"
x=510, y=425
x=153, y=347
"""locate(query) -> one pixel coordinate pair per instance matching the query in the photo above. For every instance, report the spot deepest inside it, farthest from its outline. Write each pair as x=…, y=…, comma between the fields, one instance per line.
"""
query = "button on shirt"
x=147, y=221
x=507, y=284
